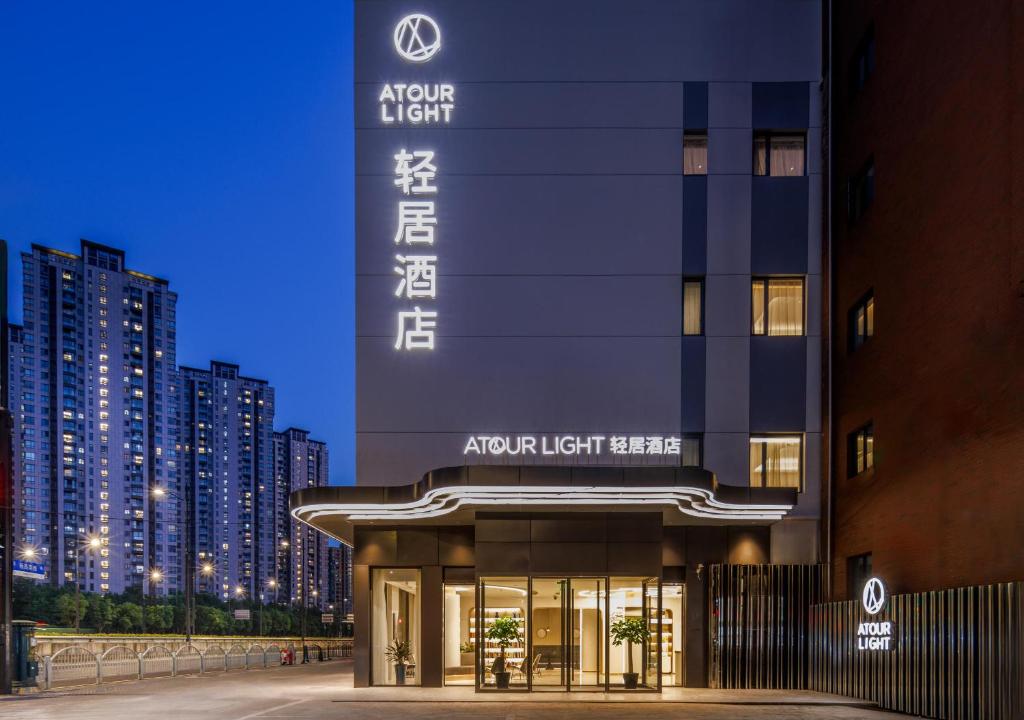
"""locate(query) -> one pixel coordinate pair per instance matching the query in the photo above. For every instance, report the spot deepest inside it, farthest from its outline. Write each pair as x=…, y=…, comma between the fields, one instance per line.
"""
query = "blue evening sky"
x=212, y=141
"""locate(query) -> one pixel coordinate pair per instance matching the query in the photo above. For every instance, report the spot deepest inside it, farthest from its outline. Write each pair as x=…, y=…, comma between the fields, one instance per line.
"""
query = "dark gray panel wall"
x=565, y=226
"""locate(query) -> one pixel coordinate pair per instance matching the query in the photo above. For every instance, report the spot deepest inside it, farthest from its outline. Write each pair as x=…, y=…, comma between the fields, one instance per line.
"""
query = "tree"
x=211, y=621
x=128, y=617
x=66, y=609
x=159, y=618
x=504, y=631
x=99, y=614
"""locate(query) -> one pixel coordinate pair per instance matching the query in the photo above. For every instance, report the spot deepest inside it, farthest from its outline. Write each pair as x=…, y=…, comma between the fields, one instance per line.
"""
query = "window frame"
x=699, y=280
x=696, y=133
x=767, y=280
x=854, y=341
x=763, y=436
x=768, y=136
x=852, y=439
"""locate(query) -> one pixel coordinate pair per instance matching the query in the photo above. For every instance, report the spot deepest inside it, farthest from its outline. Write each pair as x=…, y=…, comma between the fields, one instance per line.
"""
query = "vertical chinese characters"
x=415, y=265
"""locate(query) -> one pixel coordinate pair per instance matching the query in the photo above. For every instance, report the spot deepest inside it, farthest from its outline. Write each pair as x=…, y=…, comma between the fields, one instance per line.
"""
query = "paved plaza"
x=324, y=692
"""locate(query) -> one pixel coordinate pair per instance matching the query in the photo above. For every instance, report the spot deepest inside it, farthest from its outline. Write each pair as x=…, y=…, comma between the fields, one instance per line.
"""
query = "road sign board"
x=242, y=615
x=28, y=569
x=327, y=618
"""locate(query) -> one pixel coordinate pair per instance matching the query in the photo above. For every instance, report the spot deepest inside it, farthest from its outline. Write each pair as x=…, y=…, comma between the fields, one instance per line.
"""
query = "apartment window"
x=860, y=192
x=695, y=152
x=862, y=321
x=777, y=306
x=692, y=454
x=776, y=461
x=862, y=64
x=860, y=450
x=693, y=307
x=779, y=155
x=858, y=572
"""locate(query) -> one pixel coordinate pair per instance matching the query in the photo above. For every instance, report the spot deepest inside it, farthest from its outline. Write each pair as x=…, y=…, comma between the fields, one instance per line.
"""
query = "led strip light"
x=692, y=501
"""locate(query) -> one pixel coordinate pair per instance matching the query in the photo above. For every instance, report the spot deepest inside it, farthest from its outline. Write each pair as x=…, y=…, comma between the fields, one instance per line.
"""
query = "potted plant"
x=504, y=631
x=629, y=630
x=399, y=653
x=466, y=651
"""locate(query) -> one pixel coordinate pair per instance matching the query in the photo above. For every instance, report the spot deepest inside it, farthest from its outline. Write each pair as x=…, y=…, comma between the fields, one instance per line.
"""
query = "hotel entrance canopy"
x=453, y=495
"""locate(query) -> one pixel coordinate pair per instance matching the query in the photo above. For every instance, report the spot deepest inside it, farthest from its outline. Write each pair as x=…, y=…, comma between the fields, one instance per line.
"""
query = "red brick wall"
x=942, y=247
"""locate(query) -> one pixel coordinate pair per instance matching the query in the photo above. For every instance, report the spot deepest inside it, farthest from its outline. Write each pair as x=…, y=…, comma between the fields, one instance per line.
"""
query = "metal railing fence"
x=75, y=665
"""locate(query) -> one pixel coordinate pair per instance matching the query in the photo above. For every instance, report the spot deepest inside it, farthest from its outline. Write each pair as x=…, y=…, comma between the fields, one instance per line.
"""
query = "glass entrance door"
x=587, y=645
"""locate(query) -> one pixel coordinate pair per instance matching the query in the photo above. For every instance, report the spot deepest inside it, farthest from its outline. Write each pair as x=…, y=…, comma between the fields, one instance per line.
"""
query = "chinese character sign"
x=415, y=264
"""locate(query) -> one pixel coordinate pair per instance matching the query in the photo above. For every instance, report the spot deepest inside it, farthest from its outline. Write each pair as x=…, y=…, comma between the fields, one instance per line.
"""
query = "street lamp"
x=93, y=542
x=161, y=493
x=155, y=576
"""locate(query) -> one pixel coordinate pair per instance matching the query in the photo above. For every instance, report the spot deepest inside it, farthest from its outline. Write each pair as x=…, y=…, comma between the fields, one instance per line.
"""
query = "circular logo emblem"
x=417, y=37
x=873, y=596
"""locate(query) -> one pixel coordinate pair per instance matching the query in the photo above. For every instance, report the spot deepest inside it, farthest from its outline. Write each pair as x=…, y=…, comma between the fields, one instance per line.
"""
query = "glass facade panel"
x=395, y=624
x=636, y=598
x=500, y=631
x=459, y=648
x=673, y=636
x=547, y=618
x=588, y=640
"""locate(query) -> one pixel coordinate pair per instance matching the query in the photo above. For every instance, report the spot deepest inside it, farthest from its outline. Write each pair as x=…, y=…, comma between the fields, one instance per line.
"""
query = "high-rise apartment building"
x=299, y=463
x=339, y=583
x=227, y=435
x=95, y=421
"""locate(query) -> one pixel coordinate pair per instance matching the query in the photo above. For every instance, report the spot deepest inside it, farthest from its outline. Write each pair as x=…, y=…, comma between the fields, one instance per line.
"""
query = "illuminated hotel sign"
x=553, y=445
x=874, y=635
x=417, y=38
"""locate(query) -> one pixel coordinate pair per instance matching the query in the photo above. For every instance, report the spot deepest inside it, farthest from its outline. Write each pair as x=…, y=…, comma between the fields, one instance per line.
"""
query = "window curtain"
x=760, y=156
x=787, y=157
x=785, y=307
x=695, y=155
x=757, y=307
x=782, y=463
x=691, y=308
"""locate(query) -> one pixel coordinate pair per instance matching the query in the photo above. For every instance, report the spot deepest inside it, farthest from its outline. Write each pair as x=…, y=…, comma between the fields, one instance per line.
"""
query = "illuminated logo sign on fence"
x=417, y=39
x=874, y=635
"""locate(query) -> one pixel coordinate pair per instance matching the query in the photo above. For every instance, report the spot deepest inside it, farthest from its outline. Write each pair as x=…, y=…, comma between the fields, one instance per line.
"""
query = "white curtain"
x=785, y=307
x=691, y=307
x=695, y=155
x=787, y=156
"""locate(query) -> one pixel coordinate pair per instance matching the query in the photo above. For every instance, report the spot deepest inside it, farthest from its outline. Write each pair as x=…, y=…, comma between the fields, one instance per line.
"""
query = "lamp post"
x=155, y=575
x=93, y=543
x=160, y=493
x=272, y=584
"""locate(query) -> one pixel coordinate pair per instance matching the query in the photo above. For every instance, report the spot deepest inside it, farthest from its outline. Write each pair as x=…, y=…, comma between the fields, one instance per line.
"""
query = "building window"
x=693, y=307
x=862, y=64
x=777, y=306
x=395, y=618
x=776, y=461
x=858, y=572
x=779, y=155
x=860, y=192
x=692, y=451
x=860, y=450
x=862, y=321
x=695, y=152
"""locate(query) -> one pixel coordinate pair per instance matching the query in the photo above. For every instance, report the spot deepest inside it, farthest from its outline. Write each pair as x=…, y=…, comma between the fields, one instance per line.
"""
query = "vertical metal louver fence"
x=956, y=653
x=758, y=624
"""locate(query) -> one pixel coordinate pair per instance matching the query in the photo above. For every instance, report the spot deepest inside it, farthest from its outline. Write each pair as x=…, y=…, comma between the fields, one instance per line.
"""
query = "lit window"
x=776, y=461
x=695, y=153
x=692, y=450
x=693, y=311
x=779, y=155
x=861, y=321
x=777, y=306
x=860, y=450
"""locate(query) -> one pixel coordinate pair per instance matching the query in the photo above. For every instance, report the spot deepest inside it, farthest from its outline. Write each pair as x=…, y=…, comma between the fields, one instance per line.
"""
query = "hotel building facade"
x=589, y=342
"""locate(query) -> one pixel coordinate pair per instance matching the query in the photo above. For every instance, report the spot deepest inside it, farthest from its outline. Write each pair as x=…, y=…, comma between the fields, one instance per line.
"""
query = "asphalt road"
x=323, y=692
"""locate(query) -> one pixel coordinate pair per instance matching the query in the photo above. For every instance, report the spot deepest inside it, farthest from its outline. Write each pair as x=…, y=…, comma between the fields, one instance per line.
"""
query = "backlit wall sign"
x=516, y=445
x=417, y=39
x=874, y=635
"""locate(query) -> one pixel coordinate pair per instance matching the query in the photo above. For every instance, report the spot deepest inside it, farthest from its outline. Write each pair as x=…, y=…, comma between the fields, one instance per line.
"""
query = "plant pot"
x=630, y=680
x=399, y=674
x=502, y=679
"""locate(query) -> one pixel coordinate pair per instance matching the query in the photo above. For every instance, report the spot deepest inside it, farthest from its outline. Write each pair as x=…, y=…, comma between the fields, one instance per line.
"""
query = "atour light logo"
x=874, y=634
x=417, y=37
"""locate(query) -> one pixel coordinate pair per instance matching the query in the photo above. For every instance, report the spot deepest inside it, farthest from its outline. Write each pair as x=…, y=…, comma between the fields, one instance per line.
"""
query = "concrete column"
x=431, y=661
x=361, y=631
